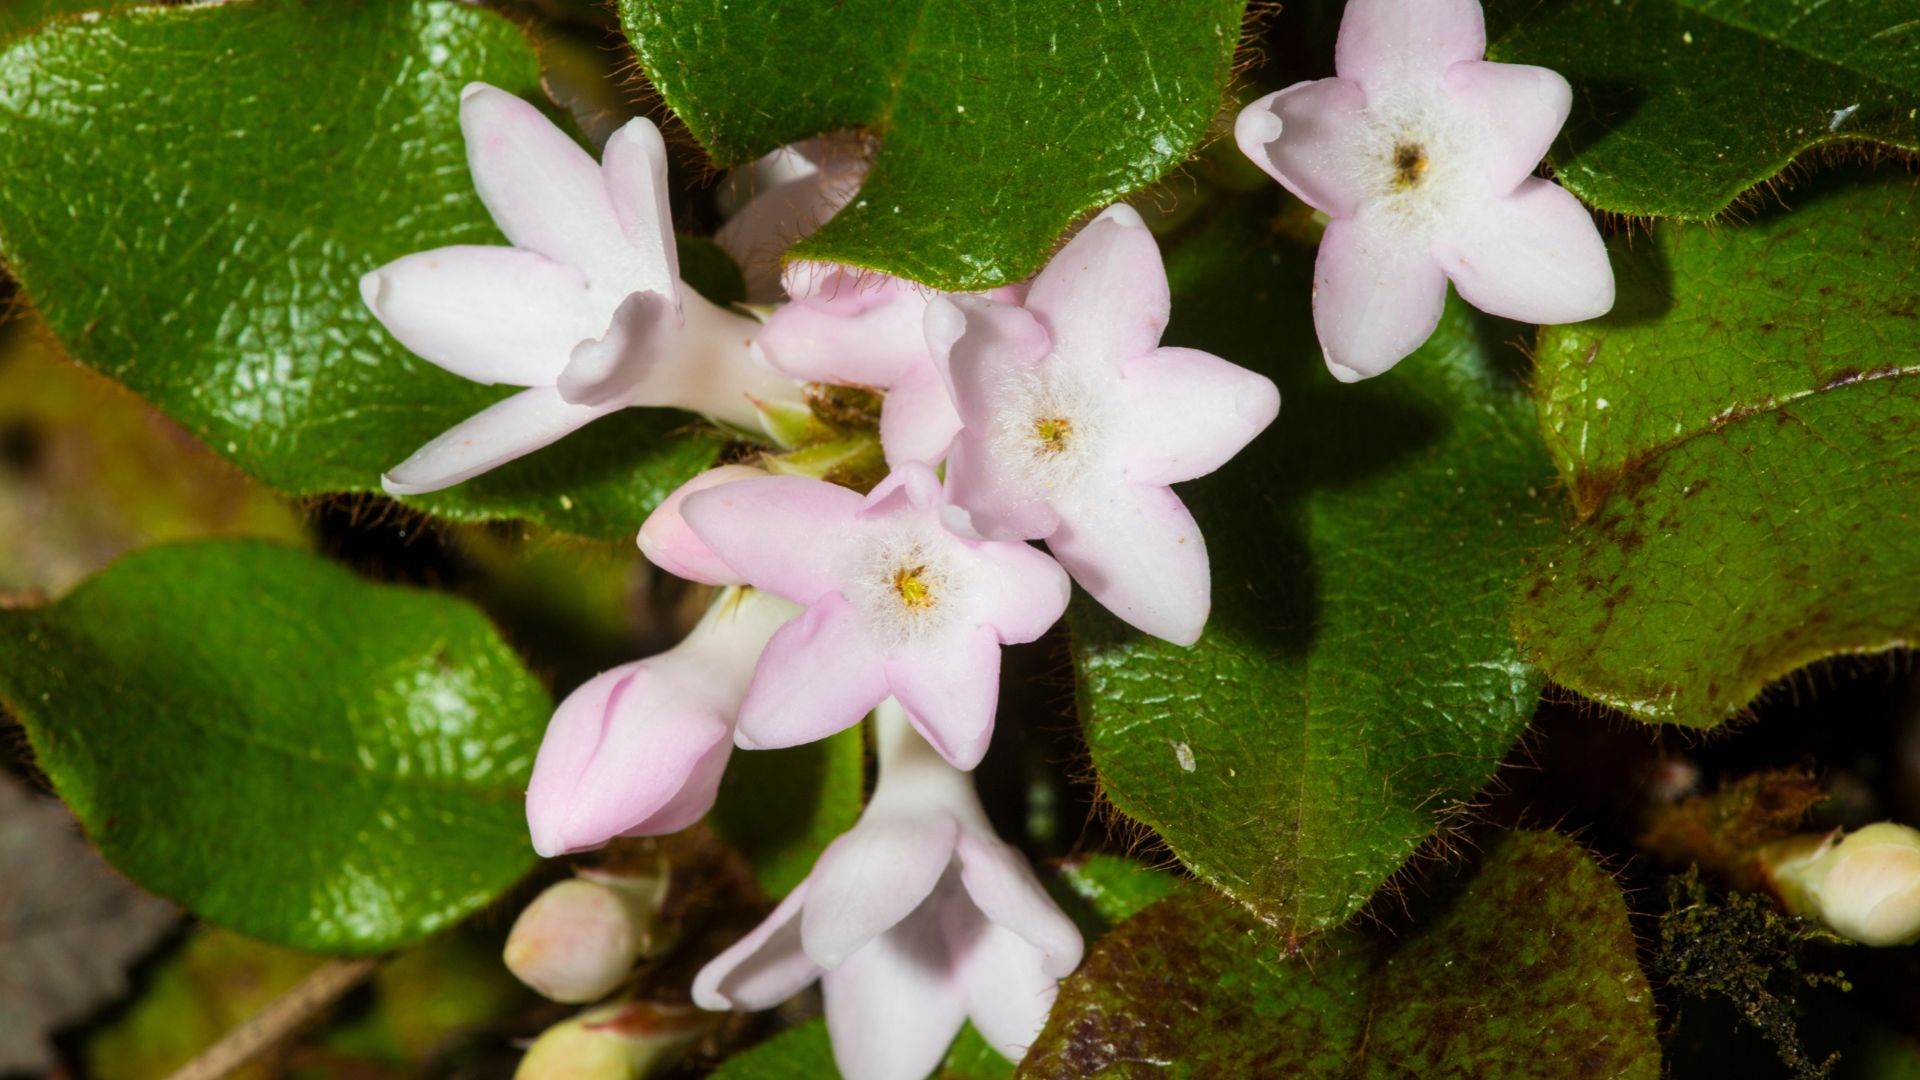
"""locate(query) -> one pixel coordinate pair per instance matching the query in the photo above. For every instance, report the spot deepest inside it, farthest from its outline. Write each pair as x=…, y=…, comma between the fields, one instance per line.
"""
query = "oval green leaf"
x=1000, y=121
x=285, y=749
x=193, y=221
x=1682, y=106
x=1739, y=437
x=1526, y=969
x=1358, y=680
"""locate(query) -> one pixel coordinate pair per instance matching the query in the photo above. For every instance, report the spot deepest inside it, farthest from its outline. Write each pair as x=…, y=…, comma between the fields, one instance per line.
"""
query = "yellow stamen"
x=1409, y=164
x=912, y=590
x=1052, y=432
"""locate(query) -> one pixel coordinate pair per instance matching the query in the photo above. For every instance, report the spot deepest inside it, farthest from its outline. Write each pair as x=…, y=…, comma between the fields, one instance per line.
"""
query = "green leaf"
x=781, y=808
x=1681, y=106
x=1116, y=888
x=282, y=747
x=1526, y=970
x=1738, y=437
x=1357, y=681
x=1000, y=121
x=193, y=222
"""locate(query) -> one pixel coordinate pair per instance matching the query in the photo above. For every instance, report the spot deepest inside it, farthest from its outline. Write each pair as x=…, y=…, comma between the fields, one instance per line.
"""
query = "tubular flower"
x=1075, y=420
x=902, y=599
x=860, y=328
x=915, y=921
x=1422, y=153
x=794, y=190
x=638, y=751
x=586, y=309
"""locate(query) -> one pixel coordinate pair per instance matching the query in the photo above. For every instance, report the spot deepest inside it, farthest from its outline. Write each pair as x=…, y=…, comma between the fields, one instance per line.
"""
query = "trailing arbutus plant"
x=895, y=540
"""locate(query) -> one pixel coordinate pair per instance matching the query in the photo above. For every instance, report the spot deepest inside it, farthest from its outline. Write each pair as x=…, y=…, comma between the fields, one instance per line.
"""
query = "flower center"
x=910, y=584
x=1051, y=432
x=1409, y=164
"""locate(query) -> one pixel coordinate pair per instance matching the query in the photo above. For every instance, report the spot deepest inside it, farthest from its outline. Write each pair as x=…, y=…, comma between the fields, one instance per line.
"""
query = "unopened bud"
x=579, y=939
x=623, y=1041
x=1864, y=886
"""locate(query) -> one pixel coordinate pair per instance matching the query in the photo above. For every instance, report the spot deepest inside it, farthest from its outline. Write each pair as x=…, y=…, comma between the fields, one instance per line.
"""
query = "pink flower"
x=669, y=544
x=1076, y=420
x=860, y=328
x=915, y=921
x=586, y=309
x=638, y=751
x=792, y=191
x=902, y=599
x=1422, y=153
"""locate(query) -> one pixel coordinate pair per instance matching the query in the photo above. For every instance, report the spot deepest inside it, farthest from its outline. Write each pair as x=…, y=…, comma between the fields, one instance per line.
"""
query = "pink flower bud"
x=1864, y=886
x=580, y=938
x=668, y=543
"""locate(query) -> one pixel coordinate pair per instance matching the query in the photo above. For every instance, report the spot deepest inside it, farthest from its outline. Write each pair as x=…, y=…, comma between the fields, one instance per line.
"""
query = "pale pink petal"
x=490, y=438
x=918, y=420
x=1187, y=413
x=1392, y=43
x=1104, y=297
x=786, y=534
x=1533, y=256
x=1022, y=591
x=1303, y=137
x=1007, y=994
x=634, y=169
x=975, y=341
x=542, y=189
x=1137, y=551
x=893, y=1007
x=631, y=752
x=1374, y=299
x=820, y=674
x=1516, y=111
x=667, y=541
x=1001, y=883
x=644, y=334
x=871, y=878
x=490, y=314
x=763, y=969
x=781, y=214
x=850, y=331
x=997, y=504
x=949, y=688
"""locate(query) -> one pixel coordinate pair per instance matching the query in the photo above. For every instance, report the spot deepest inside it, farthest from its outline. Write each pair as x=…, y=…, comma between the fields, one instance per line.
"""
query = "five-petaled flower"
x=639, y=750
x=586, y=309
x=1422, y=154
x=1076, y=420
x=902, y=599
x=915, y=921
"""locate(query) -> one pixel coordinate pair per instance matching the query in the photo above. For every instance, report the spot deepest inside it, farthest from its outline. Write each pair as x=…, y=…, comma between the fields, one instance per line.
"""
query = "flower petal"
x=1001, y=883
x=1189, y=412
x=871, y=878
x=763, y=969
x=490, y=314
x=949, y=689
x=785, y=534
x=1021, y=591
x=1391, y=43
x=631, y=752
x=1534, y=256
x=667, y=541
x=543, y=191
x=1303, y=137
x=1375, y=298
x=820, y=674
x=490, y=438
x=1517, y=110
x=1104, y=297
x=918, y=420
x=640, y=339
x=783, y=213
x=1007, y=994
x=976, y=344
x=893, y=1007
x=1138, y=552
x=634, y=169
x=848, y=329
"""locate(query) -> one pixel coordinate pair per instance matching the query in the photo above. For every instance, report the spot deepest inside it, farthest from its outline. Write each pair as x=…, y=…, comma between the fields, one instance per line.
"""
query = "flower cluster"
x=1046, y=411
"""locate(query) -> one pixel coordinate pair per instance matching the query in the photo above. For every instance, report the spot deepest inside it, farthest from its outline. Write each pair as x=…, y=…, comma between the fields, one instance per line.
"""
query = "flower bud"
x=667, y=542
x=1864, y=886
x=580, y=938
x=622, y=1041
